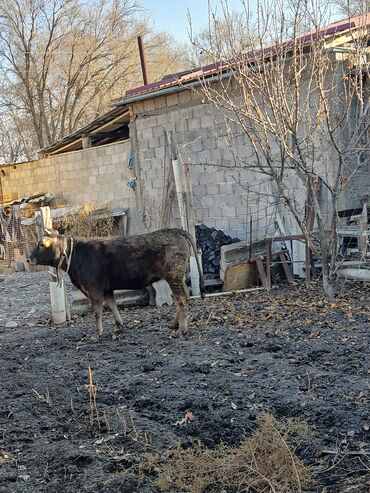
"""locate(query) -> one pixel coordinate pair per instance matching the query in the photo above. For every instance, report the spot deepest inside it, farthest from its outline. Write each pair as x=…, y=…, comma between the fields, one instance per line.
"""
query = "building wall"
x=94, y=174
x=225, y=196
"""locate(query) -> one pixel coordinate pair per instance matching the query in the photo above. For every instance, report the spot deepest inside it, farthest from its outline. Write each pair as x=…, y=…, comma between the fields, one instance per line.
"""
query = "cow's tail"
x=194, y=247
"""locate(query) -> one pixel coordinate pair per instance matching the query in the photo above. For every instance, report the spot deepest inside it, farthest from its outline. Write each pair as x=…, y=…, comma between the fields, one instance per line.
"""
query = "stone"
x=11, y=325
x=163, y=293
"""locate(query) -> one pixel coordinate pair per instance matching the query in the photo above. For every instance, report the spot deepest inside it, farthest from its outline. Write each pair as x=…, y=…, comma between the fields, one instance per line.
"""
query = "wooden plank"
x=240, y=275
x=286, y=268
x=268, y=262
x=261, y=273
x=362, y=231
x=308, y=265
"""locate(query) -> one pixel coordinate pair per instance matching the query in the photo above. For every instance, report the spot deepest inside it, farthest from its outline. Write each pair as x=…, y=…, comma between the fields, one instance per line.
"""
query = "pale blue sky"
x=171, y=16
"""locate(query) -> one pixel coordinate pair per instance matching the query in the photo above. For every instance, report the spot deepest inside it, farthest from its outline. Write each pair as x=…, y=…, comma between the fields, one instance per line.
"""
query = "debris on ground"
x=286, y=352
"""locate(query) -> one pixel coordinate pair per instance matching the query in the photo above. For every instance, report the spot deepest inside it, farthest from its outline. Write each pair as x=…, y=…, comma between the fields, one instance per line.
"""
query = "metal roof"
x=181, y=79
x=106, y=119
x=187, y=79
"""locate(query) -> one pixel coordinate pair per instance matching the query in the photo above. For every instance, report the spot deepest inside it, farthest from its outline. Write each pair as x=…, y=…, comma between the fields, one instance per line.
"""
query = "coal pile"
x=210, y=241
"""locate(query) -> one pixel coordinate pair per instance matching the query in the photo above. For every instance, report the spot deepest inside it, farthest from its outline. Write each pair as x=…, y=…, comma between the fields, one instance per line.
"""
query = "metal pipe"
x=228, y=293
x=142, y=60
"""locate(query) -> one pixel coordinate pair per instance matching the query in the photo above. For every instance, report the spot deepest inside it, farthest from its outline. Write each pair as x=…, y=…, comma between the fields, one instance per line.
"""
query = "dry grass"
x=86, y=224
x=264, y=463
x=92, y=390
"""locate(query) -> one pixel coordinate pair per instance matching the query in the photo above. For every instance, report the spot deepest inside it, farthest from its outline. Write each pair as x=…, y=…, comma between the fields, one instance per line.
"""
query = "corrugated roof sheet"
x=177, y=79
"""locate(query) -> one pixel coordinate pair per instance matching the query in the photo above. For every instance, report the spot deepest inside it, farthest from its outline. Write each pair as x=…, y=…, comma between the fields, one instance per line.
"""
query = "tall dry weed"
x=86, y=223
x=265, y=462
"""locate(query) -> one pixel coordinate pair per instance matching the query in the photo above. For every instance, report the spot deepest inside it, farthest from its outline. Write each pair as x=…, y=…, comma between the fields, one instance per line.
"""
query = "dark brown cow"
x=100, y=266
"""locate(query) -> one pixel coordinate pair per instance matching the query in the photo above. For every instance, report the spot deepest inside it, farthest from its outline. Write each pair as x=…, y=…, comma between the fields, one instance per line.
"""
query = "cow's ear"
x=47, y=242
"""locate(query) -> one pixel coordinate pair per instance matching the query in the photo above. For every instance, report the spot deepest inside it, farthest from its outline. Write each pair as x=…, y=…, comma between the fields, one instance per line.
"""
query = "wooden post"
x=308, y=265
x=183, y=190
x=86, y=141
x=268, y=262
x=362, y=232
x=58, y=297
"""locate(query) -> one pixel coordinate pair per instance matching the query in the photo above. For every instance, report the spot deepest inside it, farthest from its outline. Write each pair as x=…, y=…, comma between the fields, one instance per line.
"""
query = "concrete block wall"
x=224, y=195
x=90, y=175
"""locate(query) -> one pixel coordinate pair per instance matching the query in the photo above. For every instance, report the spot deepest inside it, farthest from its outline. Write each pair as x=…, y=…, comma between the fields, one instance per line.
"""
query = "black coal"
x=210, y=241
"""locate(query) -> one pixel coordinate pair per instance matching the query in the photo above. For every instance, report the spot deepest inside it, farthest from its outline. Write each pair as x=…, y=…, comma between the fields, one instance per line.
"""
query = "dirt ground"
x=286, y=352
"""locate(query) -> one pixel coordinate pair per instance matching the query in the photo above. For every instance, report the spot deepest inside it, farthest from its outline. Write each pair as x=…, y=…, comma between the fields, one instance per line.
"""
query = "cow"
x=99, y=266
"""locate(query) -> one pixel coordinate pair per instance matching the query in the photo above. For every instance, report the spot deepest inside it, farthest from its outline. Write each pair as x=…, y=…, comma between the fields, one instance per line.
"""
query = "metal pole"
x=142, y=59
x=57, y=294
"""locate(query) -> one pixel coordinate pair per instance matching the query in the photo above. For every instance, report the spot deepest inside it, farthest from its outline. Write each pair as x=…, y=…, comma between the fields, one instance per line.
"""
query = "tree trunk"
x=327, y=278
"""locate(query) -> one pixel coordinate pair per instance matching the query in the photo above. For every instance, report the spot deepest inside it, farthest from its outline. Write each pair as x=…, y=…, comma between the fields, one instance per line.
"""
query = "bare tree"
x=225, y=33
x=62, y=61
x=303, y=107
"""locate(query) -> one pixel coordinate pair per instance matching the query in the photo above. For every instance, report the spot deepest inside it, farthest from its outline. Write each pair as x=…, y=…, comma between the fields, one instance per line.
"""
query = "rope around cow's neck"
x=67, y=257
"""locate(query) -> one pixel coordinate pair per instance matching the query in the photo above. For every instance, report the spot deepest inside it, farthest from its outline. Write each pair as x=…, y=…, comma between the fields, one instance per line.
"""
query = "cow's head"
x=48, y=251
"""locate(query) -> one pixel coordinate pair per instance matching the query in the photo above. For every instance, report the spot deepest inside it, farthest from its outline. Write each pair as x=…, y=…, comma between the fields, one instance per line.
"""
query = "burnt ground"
x=287, y=352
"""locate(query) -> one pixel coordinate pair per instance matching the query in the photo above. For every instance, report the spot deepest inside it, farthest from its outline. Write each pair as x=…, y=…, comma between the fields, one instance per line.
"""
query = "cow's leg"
x=111, y=302
x=97, y=308
x=175, y=321
x=181, y=295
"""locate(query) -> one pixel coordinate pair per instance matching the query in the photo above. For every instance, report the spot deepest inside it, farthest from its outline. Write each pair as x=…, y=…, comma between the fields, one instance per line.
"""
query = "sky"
x=171, y=15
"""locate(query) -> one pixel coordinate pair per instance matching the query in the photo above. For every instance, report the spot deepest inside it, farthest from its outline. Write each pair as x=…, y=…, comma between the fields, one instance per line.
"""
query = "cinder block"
x=149, y=153
x=158, y=131
x=201, y=213
x=228, y=210
x=172, y=100
x=194, y=124
x=181, y=126
x=149, y=105
x=199, y=190
x=211, y=223
x=160, y=103
x=151, y=173
x=213, y=189
x=157, y=183
x=216, y=156
x=147, y=133
x=215, y=212
x=203, y=156
x=226, y=188
x=196, y=146
x=209, y=143
x=204, y=179
x=184, y=97
x=242, y=211
x=153, y=143
x=105, y=169
x=222, y=223
x=199, y=111
x=207, y=121
x=237, y=223
x=234, y=200
x=186, y=114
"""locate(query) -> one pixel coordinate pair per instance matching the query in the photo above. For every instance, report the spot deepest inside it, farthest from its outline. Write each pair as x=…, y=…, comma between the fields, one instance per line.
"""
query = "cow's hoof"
x=95, y=338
